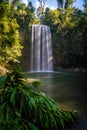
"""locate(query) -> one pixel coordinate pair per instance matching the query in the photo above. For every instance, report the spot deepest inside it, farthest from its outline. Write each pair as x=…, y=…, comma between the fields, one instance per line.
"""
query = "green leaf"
x=13, y=95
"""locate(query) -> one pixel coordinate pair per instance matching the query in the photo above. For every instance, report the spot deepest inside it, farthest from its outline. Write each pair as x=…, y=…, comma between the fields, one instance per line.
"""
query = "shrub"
x=24, y=108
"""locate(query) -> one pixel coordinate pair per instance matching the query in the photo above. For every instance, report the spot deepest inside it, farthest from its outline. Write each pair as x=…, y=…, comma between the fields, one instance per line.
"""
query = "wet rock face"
x=2, y=71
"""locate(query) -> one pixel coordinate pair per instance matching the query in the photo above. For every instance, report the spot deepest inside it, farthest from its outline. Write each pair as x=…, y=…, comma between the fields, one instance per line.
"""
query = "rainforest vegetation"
x=22, y=105
x=68, y=26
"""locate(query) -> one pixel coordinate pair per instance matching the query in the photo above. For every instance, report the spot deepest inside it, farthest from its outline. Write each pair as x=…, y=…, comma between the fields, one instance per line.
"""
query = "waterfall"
x=41, y=49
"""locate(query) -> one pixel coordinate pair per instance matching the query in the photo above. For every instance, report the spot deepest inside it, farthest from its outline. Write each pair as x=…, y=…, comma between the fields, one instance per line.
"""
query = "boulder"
x=3, y=71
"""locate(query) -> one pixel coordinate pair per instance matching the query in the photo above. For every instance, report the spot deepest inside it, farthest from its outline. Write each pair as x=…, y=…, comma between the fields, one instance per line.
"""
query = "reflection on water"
x=69, y=89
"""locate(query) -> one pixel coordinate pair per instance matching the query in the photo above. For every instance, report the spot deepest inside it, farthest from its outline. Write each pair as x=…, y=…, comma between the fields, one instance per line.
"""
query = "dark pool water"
x=69, y=90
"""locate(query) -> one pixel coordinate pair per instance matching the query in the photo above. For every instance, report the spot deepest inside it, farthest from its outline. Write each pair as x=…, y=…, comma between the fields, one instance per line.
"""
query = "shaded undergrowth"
x=23, y=107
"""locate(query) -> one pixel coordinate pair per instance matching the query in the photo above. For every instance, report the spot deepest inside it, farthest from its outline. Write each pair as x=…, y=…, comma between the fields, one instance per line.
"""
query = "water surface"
x=68, y=89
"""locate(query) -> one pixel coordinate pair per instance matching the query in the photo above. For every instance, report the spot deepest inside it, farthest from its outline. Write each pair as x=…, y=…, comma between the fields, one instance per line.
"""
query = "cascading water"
x=41, y=49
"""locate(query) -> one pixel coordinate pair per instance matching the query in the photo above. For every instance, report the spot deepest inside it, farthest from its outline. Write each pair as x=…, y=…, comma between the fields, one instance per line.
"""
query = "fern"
x=22, y=108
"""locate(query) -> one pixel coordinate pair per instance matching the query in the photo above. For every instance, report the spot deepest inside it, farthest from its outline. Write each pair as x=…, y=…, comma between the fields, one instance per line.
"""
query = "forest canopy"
x=10, y=47
x=68, y=26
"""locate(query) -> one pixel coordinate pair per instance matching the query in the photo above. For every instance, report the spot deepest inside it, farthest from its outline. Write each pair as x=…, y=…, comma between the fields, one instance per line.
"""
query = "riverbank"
x=72, y=69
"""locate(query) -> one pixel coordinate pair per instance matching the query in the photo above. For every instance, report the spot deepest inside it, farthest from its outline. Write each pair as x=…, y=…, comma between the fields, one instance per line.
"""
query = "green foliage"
x=64, y=3
x=22, y=108
x=69, y=37
x=10, y=47
x=36, y=83
x=25, y=15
